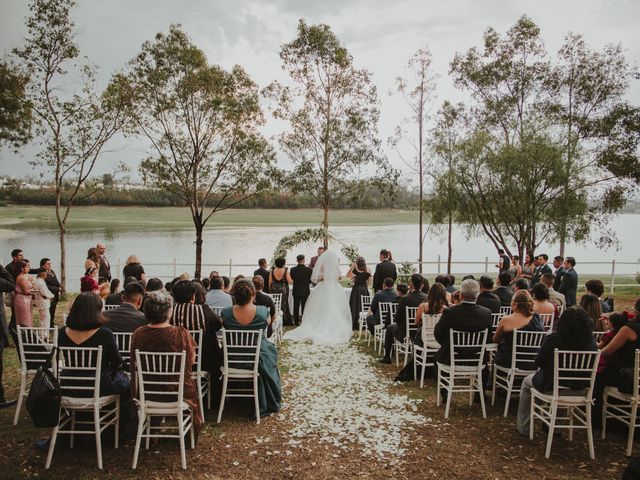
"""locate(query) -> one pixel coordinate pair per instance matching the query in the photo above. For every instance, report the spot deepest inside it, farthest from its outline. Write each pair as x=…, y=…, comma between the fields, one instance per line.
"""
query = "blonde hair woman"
x=133, y=268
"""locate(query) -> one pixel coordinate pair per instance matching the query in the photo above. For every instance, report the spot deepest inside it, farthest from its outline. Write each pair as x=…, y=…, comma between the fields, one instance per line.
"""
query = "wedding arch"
x=305, y=235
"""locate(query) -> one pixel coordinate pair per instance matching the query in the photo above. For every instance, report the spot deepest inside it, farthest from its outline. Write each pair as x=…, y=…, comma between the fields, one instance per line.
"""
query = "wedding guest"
x=279, y=281
x=104, y=289
x=503, y=289
x=263, y=271
x=386, y=295
x=7, y=286
x=43, y=297
x=127, y=317
x=504, y=262
x=160, y=336
x=265, y=300
x=216, y=297
x=89, y=284
x=558, y=273
x=301, y=276
x=201, y=293
x=617, y=321
x=521, y=284
x=227, y=284
x=542, y=268
x=541, y=303
x=597, y=288
x=153, y=285
x=13, y=268
x=205, y=284
x=385, y=269
x=22, y=296
x=425, y=286
x=54, y=287
x=314, y=259
x=93, y=260
x=554, y=297
x=105, y=267
x=444, y=281
x=402, y=289
x=133, y=268
x=452, y=283
x=591, y=305
x=486, y=297
x=516, y=269
x=245, y=315
x=569, y=284
x=456, y=298
x=115, y=298
x=527, y=269
x=114, y=286
x=435, y=305
x=360, y=275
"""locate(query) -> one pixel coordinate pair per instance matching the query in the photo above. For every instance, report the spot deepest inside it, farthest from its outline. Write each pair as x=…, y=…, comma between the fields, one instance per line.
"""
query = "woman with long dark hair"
x=360, y=275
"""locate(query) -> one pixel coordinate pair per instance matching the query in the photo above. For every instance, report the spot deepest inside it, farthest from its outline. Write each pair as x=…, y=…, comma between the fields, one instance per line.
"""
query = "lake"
x=160, y=247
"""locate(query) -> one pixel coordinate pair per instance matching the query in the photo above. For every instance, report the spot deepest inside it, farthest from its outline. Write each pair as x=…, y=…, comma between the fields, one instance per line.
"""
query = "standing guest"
x=452, y=283
x=574, y=333
x=504, y=262
x=516, y=269
x=503, y=290
x=93, y=260
x=559, y=271
x=105, y=267
x=528, y=268
x=569, y=285
x=385, y=269
x=263, y=271
x=13, y=268
x=127, y=317
x=554, y=297
x=301, y=277
x=314, y=259
x=43, y=297
x=160, y=336
x=133, y=268
x=466, y=317
x=487, y=298
x=89, y=284
x=216, y=296
x=597, y=288
x=264, y=299
x=22, y=296
x=398, y=330
x=360, y=275
x=591, y=305
x=279, y=282
x=386, y=295
x=7, y=286
x=247, y=316
x=54, y=287
x=542, y=268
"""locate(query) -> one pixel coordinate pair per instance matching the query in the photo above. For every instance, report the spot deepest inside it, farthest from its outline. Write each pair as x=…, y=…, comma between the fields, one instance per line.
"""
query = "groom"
x=301, y=276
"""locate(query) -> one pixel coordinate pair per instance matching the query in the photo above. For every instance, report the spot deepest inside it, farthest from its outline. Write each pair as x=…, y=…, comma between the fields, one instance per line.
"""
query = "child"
x=43, y=298
x=617, y=321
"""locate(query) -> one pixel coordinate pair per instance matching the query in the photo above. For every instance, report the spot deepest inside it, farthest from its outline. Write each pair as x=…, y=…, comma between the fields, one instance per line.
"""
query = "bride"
x=327, y=317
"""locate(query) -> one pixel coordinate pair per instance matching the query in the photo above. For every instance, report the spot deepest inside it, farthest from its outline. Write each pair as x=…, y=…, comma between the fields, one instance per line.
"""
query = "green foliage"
x=405, y=272
x=15, y=110
x=298, y=237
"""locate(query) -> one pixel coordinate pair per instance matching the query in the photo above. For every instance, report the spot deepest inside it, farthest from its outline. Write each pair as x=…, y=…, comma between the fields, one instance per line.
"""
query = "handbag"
x=45, y=396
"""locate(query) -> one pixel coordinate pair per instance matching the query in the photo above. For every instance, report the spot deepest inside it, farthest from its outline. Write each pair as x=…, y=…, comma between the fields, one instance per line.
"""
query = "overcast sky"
x=381, y=35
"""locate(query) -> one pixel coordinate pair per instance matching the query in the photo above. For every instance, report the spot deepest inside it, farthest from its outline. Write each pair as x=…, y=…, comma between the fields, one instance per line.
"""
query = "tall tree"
x=202, y=124
x=332, y=112
x=418, y=92
x=73, y=125
x=15, y=110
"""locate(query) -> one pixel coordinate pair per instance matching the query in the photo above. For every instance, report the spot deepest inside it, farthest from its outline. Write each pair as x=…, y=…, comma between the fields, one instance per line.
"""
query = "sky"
x=381, y=35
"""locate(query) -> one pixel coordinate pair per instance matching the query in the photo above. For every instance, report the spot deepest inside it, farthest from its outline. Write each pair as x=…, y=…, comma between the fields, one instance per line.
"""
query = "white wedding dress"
x=327, y=317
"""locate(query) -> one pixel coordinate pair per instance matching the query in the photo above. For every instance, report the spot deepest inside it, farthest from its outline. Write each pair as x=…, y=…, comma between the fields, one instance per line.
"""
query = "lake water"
x=160, y=248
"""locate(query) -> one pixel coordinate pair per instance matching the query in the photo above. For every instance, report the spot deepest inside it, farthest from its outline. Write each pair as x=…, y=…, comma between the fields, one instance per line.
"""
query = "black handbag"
x=45, y=395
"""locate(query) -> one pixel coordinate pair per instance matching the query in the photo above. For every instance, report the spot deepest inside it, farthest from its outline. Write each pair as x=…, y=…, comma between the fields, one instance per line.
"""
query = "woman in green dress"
x=245, y=315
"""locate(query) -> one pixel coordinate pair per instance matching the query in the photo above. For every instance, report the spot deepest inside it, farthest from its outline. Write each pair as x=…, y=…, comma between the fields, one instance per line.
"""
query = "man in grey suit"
x=127, y=317
x=569, y=285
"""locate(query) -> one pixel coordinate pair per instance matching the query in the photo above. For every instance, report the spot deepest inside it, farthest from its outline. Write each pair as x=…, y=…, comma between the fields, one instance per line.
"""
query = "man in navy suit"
x=301, y=276
x=569, y=285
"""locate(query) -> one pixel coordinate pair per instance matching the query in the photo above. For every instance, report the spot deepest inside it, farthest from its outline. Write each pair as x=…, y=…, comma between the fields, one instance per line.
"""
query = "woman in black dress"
x=360, y=275
x=279, y=281
x=133, y=268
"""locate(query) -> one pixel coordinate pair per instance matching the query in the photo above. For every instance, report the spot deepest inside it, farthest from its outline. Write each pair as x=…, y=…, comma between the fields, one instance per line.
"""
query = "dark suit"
x=114, y=299
x=489, y=300
x=385, y=269
x=569, y=286
x=301, y=276
x=262, y=299
x=559, y=273
x=398, y=329
x=125, y=318
x=539, y=272
x=312, y=262
x=264, y=273
x=466, y=317
x=105, y=269
x=504, y=294
x=383, y=296
x=54, y=287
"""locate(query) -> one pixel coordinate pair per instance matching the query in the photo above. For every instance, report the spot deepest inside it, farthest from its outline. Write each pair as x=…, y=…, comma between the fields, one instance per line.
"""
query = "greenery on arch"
x=306, y=235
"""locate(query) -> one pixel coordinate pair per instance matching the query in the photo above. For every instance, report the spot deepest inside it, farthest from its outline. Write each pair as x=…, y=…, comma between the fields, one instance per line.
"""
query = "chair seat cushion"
x=164, y=408
x=614, y=392
x=237, y=372
x=86, y=402
x=459, y=368
x=566, y=395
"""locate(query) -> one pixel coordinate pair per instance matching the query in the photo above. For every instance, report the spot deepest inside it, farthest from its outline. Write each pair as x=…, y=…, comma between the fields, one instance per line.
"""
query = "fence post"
x=174, y=267
x=486, y=264
x=613, y=274
x=438, y=271
x=230, y=267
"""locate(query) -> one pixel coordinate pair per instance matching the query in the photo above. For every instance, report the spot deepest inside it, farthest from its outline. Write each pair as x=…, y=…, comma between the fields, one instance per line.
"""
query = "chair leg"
x=552, y=427
x=256, y=399
x=571, y=424
x=183, y=453
x=200, y=399
x=96, y=426
x=604, y=415
x=633, y=419
x=136, y=450
x=493, y=387
x=449, y=395
x=192, y=435
x=73, y=428
x=439, y=386
x=507, y=401
x=209, y=392
x=21, y=395
x=147, y=440
x=222, y=398
x=117, y=424
x=592, y=454
x=52, y=446
x=531, y=417
x=424, y=367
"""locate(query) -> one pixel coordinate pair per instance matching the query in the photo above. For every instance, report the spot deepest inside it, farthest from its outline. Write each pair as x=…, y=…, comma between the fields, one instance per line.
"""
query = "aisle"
x=333, y=395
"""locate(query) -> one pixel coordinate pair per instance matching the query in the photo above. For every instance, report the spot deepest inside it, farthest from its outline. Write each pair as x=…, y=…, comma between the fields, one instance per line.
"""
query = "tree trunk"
x=63, y=260
x=449, y=247
x=197, y=221
x=420, y=234
x=325, y=224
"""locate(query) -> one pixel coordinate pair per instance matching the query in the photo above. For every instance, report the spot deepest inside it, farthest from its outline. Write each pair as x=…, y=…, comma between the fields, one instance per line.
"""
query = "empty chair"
x=34, y=346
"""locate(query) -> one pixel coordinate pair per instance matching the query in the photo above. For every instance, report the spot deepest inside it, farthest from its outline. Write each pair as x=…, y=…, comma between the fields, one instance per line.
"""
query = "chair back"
x=525, y=349
x=106, y=308
x=597, y=336
x=217, y=310
x=410, y=319
x=547, y=321
x=495, y=320
x=467, y=348
x=160, y=376
x=123, y=340
x=365, y=300
x=575, y=370
x=636, y=375
x=428, y=325
x=505, y=310
x=277, y=300
x=79, y=371
x=241, y=349
x=35, y=344
x=197, y=337
x=387, y=312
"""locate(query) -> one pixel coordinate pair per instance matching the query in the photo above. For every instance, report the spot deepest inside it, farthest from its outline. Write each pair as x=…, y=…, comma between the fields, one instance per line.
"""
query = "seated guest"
x=127, y=317
x=444, y=280
x=84, y=328
x=402, y=289
x=435, y=304
x=541, y=303
x=425, y=286
x=205, y=284
x=522, y=318
x=398, y=330
x=555, y=297
x=617, y=321
x=487, y=298
x=387, y=294
x=597, y=288
x=247, y=316
x=193, y=316
x=466, y=317
x=456, y=299
x=521, y=284
x=217, y=297
x=115, y=298
x=227, y=284
x=592, y=306
x=452, y=284
x=263, y=299
x=201, y=293
x=574, y=332
x=153, y=285
x=160, y=336
x=133, y=268
x=503, y=289
x=89, y=284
